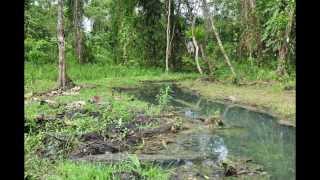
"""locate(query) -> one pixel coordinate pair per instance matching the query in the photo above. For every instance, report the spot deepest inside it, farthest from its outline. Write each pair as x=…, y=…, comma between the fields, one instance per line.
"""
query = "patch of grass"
x=117, y=108
x=43, y=77
x=248, y=71
x=87, y=171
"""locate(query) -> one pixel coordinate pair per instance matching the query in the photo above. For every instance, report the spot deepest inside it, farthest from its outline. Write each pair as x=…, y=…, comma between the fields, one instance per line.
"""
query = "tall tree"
x=251, y=35
x=284, y=47
x=168, y=36
x=151, y=32
x=195, y=43
x=205, y=58
x=278, y=32
x=63, y=80
x=206, y=14
x=77, y=19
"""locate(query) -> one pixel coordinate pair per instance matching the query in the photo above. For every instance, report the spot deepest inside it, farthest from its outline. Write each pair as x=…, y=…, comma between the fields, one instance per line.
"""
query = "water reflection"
x=261, y=138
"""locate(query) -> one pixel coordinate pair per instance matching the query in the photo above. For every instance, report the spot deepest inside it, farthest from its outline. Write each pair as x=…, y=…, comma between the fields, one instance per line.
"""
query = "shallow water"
x=258, y=136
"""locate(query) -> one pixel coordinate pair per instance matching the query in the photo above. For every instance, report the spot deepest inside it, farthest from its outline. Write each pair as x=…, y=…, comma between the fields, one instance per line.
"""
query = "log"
x=145, y=158
x=190, y=105
x=154, y=131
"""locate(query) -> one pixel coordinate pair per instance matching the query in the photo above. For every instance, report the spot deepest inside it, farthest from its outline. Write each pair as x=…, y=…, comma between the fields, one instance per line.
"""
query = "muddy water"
x=253, y=135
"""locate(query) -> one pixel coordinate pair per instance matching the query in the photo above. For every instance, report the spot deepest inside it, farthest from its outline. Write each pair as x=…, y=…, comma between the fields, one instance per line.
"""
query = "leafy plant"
x=136, y=163
x=164, y=97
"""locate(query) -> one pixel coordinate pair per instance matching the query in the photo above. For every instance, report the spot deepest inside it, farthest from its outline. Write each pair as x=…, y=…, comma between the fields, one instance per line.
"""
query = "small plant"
x=178, y=123
x=164, y=97
x=216, y=114
x=134, y=161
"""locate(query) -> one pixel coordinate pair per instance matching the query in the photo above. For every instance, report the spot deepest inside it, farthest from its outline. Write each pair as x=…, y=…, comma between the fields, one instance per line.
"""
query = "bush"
x=40, y=51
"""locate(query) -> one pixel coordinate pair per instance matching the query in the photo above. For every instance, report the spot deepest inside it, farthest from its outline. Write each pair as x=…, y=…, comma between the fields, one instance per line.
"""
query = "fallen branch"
x=119, y=157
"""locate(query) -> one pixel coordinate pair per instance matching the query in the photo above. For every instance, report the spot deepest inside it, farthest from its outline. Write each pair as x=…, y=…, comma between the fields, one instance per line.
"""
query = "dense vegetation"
x=255, y=35
x=113, y=43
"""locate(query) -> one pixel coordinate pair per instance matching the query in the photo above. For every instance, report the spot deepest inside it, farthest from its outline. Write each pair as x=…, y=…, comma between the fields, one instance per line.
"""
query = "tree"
x=195, y=43
x=63, y=79
x=77, y=19
x=75, y=15
x=151, y=32
x=277, y=34
x=206, y=14
x=168, y=36
x=250, y=36
x=284, y=48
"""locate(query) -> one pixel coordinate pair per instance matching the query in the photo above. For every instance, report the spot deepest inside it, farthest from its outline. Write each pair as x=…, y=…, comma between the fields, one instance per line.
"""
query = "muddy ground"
x=144, y=136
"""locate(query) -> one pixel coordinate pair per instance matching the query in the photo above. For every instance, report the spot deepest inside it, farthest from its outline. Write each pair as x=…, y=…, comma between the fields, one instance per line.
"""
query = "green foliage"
x=151, y=36
x=132, y=33
x=86, y=171
x=127, y=39
x=199, y=33
x=164, y=97
x=40, y=51
x=278, y=13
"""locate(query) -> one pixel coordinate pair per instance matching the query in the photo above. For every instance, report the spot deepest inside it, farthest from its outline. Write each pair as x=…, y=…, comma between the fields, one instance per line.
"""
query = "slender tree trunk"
x=196, y=47
x=206, y=59
x=206, y=12
x=168, y=36
x=63, y=80
x=78, y=33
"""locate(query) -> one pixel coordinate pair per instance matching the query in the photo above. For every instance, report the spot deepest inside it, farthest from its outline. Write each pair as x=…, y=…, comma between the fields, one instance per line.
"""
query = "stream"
x=254, y=135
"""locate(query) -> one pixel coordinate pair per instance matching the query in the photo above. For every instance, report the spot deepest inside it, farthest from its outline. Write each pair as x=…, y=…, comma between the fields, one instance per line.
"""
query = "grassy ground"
x=42, y=78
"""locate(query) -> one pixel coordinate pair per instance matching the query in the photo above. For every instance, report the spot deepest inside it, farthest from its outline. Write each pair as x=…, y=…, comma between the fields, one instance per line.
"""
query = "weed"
x=87, y=171
x=164, y=98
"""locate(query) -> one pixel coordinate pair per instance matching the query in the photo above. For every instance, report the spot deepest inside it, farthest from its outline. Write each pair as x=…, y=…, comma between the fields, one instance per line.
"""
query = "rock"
x=96, y=100
x=40, y=117
x=50, y=103
x=43, y=118
x=289, y=88
x=76, y=105
x=230, y=98
x=75, y=89
x=128, y=175
x=96, y=147
x=214, y=122
x=70, y=93
x=95, y=114
x=28, y=95
x=230, y=171
x=92, y=136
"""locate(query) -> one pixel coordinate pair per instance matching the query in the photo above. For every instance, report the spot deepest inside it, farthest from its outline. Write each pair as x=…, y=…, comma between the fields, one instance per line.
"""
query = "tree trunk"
x=281, y=69
x=206, y=59
x=283, y=51
x=206, y=12
x=251, y=34
x=63, y=80
x=168, y=36
x=78, y=34
x=196, y=46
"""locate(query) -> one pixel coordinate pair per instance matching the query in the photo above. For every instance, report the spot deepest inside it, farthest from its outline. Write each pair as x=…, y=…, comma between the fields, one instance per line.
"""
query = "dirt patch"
x=124, y=137
x=54, y=146
x=74, y=90
x=242, y=167
x=132, y=175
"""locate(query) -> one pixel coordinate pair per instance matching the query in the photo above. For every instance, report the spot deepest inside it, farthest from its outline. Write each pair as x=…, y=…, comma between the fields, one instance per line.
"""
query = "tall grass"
x=252, y=71
x=85, y=171
x=43, y=77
